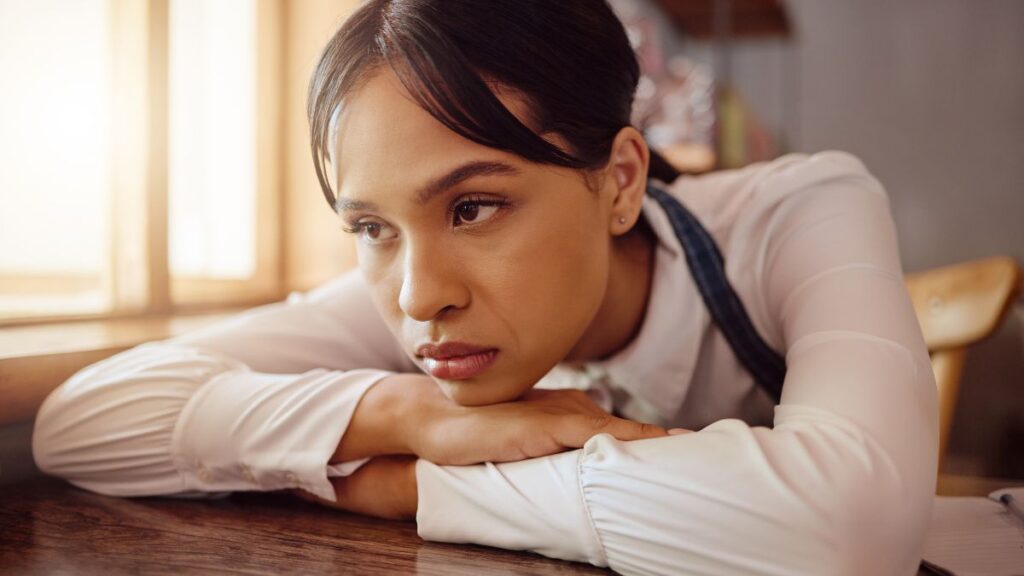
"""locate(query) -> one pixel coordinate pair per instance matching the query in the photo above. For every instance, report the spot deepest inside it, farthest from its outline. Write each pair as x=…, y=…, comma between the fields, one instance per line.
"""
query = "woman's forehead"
x=386, y=141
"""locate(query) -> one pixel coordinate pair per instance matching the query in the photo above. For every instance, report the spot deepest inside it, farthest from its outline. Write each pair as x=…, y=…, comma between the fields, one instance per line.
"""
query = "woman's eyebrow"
x=462, y=173
x=438, y=185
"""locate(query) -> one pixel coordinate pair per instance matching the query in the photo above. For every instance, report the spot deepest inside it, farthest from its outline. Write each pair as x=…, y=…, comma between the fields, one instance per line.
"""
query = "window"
x=138, y=156
x=212, y=163
x=55, y=155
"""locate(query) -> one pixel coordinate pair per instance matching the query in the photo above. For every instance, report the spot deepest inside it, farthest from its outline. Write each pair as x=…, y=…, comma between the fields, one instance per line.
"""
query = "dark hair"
x=569, y=59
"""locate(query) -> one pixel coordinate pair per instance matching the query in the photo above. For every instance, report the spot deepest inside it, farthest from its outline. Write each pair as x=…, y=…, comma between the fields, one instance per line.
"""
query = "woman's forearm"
x=385, y=418
x=169, y=419
x=407, y=414
x=384, y=487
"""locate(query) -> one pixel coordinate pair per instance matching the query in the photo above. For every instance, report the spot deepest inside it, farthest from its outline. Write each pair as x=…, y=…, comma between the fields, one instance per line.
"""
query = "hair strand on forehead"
x=570, y=62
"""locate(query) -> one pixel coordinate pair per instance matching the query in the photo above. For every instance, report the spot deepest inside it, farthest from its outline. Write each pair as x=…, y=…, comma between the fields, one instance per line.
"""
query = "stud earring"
x=622, y=219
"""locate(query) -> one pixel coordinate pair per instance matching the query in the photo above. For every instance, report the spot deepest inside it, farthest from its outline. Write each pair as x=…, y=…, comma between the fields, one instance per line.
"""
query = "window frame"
x=137, y=280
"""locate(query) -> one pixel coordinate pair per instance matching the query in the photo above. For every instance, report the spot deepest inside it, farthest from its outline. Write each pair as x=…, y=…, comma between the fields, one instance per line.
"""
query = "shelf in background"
x=748, y=18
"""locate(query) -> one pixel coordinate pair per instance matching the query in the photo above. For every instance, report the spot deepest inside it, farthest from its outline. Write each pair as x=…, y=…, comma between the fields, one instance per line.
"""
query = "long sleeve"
x=256, y=402
x=842, y=483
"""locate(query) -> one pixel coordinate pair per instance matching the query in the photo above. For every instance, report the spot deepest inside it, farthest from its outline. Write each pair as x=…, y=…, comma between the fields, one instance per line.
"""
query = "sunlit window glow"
x=212, y=138
x=55, y=165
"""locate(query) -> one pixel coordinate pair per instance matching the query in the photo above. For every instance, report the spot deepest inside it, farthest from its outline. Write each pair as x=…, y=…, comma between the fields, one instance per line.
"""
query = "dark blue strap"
x=708, y=269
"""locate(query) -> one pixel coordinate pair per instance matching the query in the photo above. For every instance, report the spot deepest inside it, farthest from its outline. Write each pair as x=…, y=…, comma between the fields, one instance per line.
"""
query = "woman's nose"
x=431, y=284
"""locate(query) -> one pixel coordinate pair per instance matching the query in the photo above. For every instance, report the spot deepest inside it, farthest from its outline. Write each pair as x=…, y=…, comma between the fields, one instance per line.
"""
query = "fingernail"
x=678, y=431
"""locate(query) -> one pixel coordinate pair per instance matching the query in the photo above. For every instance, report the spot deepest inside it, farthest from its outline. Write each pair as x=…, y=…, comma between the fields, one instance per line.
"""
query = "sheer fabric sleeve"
x=843, y=482
x=256, y=402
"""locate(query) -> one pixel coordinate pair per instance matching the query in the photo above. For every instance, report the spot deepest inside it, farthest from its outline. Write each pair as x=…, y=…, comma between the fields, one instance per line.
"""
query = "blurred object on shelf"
x=643, y=34
x=689, y=111
x=677, y=115
x=732, y=119
x=742, y=138
x=689, y=158
x=674, y=99
x=749, y=18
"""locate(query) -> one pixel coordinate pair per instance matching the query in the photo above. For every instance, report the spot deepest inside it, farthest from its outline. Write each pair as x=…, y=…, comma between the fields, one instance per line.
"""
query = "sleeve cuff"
x=532, y=505
x=246, y=430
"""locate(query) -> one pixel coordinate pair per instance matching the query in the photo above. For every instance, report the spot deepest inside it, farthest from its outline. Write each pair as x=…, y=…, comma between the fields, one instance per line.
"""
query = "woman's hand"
x=384, y=487
x=408, y=414
x=542, y=422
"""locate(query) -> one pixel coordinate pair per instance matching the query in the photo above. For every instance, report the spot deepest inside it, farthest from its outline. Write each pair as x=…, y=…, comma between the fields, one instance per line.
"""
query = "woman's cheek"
x=562, y=280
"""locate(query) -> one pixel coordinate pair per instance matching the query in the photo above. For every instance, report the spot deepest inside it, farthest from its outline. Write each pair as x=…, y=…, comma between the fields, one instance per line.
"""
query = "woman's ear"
x=626, y=179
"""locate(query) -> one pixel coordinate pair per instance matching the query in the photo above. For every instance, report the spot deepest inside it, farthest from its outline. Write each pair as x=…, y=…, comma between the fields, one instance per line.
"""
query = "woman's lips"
x=460, y=367
x=456, y=361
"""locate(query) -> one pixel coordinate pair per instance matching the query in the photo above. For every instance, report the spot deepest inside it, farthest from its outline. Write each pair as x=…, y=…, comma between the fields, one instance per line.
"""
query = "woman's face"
x=488, y=268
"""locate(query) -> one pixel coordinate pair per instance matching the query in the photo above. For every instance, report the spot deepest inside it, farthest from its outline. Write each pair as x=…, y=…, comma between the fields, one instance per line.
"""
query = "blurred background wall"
x=315, y=249
x=930, y=94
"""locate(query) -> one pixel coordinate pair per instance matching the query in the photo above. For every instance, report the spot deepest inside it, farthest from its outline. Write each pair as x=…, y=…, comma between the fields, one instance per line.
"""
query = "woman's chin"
x=479, y=392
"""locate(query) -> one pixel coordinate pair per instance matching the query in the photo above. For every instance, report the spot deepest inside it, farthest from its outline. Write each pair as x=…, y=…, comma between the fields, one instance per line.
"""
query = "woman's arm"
x=256, y=402
x=283, y=396
x=843, y=483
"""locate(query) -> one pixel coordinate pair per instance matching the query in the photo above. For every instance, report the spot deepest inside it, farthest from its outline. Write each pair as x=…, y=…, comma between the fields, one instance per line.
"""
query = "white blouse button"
x=248, y=475
x=204, y=474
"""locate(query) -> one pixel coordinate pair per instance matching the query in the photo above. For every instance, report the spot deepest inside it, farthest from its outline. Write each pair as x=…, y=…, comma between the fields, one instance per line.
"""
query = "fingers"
x=629, y=430
x=575, y=431
x=543, y=422
x=623, y=429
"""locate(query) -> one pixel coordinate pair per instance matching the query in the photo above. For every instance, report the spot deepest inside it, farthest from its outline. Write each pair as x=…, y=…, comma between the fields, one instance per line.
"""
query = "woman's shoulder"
x=794, y=173
x=751, y=211
x=723, y=198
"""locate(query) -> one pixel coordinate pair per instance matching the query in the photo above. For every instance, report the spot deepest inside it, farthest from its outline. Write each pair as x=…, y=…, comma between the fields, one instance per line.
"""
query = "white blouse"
x=837, y=479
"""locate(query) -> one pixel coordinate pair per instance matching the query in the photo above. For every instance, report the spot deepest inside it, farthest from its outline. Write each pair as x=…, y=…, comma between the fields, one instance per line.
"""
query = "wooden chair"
x=958, y=306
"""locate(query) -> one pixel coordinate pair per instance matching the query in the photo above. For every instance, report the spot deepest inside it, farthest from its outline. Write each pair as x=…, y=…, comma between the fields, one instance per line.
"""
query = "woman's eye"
x=475, y=211
x=372, y=232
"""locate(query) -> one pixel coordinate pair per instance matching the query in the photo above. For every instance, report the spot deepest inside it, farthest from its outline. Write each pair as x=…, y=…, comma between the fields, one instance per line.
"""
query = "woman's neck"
x=622, y=312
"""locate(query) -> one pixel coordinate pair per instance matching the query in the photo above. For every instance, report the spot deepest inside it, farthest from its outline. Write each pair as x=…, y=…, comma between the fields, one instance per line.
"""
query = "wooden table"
x=50, y=527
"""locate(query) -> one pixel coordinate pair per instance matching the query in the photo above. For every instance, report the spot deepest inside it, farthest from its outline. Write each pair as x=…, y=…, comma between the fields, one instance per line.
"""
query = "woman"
x=511, y=231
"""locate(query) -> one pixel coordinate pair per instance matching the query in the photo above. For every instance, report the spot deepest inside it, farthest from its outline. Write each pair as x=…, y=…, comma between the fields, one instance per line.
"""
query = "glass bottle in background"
x=674, y=103
x=677, y=115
